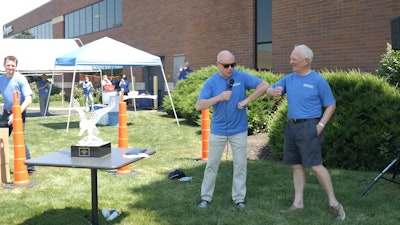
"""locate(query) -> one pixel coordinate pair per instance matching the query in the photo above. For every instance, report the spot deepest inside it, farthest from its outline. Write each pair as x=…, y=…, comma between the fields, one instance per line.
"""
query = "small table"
x=114, y=160
x=136, y=96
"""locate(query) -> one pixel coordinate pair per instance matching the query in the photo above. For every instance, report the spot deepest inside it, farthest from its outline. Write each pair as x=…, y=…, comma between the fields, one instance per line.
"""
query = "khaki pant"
x=217, y=143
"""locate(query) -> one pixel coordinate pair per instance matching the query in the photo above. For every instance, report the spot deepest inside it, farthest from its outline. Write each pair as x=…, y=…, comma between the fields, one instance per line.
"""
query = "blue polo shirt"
x=227, y=119
x=44, y=91
x=306, y=95
x=18, y=83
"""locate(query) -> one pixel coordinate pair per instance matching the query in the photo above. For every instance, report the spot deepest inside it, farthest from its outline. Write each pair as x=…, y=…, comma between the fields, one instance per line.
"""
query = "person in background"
x=44, y=92
x=124, y=84
x=307, y=94
x=225, y=91
x=87, y=86
x=106, y=84
x=185, y=71
x=9, y=82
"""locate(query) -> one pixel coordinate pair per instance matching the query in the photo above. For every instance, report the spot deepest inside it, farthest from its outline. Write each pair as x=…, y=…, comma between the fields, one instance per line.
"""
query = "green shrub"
x=364, y=131
x=185, y=95
x=390, y=66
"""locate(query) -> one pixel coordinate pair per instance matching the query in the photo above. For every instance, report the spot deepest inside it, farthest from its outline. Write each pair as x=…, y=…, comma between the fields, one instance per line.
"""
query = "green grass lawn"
x=63, y=195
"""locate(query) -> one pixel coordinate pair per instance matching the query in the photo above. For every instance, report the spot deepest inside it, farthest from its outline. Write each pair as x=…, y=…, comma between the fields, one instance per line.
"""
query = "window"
x=96, y=17
x=88, y=19
x=103, y=15
x=110, y=14
x=41, y=31
x=76, y=23
x=264, y=35
x=118, y=13
x=82, y=22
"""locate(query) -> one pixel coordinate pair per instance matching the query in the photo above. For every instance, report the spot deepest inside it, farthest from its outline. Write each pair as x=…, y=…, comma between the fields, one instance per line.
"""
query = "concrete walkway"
x=35, y=111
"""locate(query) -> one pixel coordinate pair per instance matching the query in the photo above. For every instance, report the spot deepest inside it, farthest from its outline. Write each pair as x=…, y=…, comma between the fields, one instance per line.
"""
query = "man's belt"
x=7, y=111
x=301, y=120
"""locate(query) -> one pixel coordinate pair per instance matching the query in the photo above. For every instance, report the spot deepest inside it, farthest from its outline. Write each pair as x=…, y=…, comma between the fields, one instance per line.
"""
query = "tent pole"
x=62, y=89
x=169, y=94
x=70, y=98
x=132, y=84
x=48, y=96
x=101, y=85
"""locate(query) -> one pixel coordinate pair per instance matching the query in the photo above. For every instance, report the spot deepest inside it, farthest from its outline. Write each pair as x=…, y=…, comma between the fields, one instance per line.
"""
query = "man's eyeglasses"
x=226, y=66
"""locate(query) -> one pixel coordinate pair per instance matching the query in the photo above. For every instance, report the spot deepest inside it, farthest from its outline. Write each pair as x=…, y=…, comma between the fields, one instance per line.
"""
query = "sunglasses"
x=226, y=66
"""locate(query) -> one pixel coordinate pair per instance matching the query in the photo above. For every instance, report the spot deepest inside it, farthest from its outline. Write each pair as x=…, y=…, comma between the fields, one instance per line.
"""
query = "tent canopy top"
x=38, y=55
x=108, y=52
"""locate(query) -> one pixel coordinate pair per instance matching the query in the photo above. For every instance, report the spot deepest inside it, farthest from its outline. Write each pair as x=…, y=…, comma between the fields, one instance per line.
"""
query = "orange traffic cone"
x=205, y=133
x=123, y=132
x=20, y=169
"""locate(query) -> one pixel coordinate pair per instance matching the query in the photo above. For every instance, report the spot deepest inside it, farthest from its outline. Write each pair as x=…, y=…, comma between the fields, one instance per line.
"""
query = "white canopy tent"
x=107, y=52
x=36, y=56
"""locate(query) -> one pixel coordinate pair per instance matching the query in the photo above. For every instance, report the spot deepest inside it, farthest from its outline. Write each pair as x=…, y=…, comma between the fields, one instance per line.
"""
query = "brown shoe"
x=338, y=212
x=292, y=208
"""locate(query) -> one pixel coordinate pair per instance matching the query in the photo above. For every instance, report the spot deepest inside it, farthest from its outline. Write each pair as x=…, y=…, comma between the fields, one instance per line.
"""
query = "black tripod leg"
x=396, y=169
x=379, y=176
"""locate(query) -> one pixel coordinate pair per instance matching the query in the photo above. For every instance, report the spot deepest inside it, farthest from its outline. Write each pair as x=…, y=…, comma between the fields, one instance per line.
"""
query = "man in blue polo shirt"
x=44, y=88
x=225, y=91
x=9, y=82
x=307, y=94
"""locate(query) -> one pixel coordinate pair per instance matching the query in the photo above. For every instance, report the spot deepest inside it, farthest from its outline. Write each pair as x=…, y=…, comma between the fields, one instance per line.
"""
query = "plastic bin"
x=113, y=118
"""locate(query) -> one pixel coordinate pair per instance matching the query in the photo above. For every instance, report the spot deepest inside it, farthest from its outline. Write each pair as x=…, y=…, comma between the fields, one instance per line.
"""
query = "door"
x=179, y=61
x=149, y=73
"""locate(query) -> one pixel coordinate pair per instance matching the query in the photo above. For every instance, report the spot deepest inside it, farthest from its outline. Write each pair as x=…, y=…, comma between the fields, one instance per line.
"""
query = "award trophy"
x=91, y=145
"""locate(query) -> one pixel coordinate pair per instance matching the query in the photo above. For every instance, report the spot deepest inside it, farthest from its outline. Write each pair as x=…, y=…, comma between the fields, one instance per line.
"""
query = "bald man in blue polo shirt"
x=225, y=92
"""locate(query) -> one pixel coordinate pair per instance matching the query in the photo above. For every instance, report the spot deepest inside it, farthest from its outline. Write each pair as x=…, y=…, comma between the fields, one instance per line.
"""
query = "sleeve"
x=206, y=91
x=25, y=87
x=281, y=83
x=252, y=81
x=327, y=97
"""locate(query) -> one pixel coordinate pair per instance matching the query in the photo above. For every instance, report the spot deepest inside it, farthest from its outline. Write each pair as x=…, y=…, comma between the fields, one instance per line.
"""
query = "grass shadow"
x=72, y=124
x=69, y=215
x=61, y=125
x=162, y=196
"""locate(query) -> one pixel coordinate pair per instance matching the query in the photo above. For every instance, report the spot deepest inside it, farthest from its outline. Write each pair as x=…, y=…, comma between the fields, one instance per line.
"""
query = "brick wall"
x=343, y=34
x=197, y=29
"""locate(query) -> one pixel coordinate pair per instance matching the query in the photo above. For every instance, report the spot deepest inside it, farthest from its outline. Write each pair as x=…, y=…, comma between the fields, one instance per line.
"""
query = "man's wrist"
x=321, y=124
x=268, y=90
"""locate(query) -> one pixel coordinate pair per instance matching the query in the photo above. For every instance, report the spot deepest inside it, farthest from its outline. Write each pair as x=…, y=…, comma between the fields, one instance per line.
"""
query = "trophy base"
x=90, y=151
